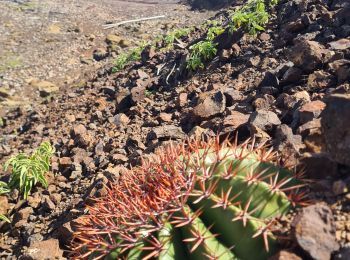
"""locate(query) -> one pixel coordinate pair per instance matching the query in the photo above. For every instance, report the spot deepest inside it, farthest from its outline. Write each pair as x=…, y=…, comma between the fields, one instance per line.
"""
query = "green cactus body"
x=201, y=201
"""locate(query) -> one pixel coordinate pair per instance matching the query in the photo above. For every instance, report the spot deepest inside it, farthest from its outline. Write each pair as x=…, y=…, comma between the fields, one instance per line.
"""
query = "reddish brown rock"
x=320, y=80
x=211, y=104
x=165, y=117
x=65, y=161
x=81, y=136
x=285, y=255
x=308, y=55
x=341, y=68
x=313, y=136
x=4, y=205
x=182, y=101
x=44, y=250
x=310, y=111
x=236, y=119
x=264, y=102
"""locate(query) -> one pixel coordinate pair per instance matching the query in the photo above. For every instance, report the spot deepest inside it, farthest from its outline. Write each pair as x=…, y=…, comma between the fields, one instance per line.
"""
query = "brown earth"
x=54, y=41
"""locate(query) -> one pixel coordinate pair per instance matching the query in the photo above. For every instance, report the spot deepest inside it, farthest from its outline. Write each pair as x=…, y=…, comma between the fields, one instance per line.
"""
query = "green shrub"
x=27, y=171
x=252, y=16
x=124, y=59
x=200, y=52
x=176, y=34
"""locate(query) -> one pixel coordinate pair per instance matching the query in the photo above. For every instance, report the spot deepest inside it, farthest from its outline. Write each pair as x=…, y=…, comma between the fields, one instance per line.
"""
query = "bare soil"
x=55, y=40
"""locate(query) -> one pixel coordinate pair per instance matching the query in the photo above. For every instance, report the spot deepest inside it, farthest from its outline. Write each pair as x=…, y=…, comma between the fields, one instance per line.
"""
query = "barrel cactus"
x=199, y=200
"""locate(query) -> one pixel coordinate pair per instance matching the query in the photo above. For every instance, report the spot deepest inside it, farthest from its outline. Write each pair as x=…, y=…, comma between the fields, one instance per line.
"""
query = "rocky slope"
x=288, y=85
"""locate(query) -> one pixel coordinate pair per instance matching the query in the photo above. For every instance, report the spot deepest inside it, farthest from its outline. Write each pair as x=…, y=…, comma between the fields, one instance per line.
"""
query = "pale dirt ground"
x=54, y=40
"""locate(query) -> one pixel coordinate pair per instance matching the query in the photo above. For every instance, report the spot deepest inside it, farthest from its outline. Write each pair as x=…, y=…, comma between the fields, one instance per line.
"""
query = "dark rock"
x=22, y=216
x=319, y=166
x=343, y=253
x=123, y=99
x=212, y=104
x=341, y=68
x=295, y=26
x=47, y=203
x=314, y=231
x=313, y=136
x=288, y=144
x=233, y=96
x=270, y=80
x=138, y=94
x=308, y=55
x=320, y=80
x=108, y=90
x=292, y=75
x=166, y=132
x=284, y=137
x=209, y=4
x=264, y=120
x=336, y=127
x=264, y=102
x=65, y=233
x=81, y=136
x=99, y=54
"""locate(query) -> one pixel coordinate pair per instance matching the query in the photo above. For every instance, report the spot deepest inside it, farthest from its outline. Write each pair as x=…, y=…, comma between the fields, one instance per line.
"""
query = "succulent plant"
x=199, y=200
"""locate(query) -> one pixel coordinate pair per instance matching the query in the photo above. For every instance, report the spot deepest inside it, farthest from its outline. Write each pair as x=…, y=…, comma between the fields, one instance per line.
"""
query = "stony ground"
x=288, y=85
x=51, y=44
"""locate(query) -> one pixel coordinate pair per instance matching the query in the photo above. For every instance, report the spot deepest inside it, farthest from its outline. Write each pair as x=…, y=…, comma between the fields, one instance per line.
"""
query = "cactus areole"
x=200, y=200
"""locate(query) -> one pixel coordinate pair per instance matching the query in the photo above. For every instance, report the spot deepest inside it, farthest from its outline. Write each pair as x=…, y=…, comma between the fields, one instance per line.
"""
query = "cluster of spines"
x=186, y=197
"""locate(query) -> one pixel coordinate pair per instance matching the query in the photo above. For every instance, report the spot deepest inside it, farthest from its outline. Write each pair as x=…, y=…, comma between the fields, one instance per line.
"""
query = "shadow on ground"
x=210, y=4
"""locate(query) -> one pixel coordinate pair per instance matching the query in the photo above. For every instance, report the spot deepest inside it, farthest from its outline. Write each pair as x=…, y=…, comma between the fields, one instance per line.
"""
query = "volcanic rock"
x=44, y=249
x=336, y=127
x=314, y=231
x=308, y=55
x=213, y=103
x=264, y=120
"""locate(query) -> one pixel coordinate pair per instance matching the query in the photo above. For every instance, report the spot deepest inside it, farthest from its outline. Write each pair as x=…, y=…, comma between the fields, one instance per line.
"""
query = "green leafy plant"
x=124, y=59
x=200, y=52
x=214, y=32
x=176, y=34
x=27, y=171
x=253, y=16
x=4, y=189
x=200, y=200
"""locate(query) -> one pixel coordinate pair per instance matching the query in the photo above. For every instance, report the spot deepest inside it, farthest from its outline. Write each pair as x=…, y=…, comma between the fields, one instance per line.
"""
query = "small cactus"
x=202, y=200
